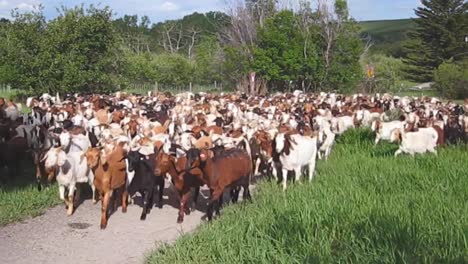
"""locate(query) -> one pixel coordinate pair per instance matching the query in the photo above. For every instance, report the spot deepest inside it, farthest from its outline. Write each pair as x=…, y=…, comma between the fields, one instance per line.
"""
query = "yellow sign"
x=370, y=72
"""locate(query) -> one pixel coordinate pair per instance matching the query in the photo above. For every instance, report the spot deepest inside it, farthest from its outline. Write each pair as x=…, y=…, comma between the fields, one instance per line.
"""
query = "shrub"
x=452, y=80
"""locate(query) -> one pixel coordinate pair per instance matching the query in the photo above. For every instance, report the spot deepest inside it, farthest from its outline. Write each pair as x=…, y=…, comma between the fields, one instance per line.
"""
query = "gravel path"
x=56, y=238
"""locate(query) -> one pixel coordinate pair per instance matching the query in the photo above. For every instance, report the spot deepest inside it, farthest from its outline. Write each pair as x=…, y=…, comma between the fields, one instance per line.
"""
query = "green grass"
x=364, y=206
x=387, y=30
x=20, y=199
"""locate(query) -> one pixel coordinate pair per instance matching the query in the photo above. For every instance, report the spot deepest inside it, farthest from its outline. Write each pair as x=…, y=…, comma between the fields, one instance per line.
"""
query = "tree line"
x=257, y=46
x=435, y=50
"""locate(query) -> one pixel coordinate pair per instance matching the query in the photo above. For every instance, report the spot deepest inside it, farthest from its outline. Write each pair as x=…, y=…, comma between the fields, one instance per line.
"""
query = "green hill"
x=387, y=35
x=387, y=31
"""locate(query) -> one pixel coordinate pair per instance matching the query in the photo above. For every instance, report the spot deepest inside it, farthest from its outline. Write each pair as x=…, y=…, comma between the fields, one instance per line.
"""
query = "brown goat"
x=110, y=177
x=231, y=168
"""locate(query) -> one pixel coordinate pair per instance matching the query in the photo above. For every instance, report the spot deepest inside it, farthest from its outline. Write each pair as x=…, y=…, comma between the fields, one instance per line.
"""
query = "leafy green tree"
x=172, y=69
x=387, y=71
x=345, y=71
x=439, y=36
x=278, y=57
x=80, y=48
x=452, y=79
x=208, y=61
x=138, y=67
x=74, y=52
x=21, y=46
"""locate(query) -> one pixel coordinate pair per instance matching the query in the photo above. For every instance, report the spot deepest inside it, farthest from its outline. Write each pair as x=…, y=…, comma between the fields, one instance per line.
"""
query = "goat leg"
x=69, y=202
x=145, y=204
x=185, y=194
x=161, y=191
x=105, y=205
x=235, y=194
x=246, y=195
x=124, y=200
x=195, y=198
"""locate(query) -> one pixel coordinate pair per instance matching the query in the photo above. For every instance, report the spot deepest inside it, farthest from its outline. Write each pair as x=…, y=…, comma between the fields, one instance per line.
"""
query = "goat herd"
x=122, y=144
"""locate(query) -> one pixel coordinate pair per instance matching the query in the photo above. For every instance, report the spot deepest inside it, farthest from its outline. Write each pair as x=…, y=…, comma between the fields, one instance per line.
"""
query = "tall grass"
x=20, y=199
x=363, y=206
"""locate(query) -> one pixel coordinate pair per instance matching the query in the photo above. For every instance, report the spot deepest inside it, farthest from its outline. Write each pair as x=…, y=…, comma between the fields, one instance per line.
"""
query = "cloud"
x=168, y=6
x=25, y=6
x=22, y=5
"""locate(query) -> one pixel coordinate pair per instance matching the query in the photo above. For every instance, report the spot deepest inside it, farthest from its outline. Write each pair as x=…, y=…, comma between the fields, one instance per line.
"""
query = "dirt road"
x=56, y=238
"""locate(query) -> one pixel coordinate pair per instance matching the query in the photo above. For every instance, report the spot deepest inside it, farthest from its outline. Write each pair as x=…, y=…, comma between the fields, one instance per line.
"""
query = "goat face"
x=54, y=158
x=133, y=159
x=65, y=138
x=92, y=157
x=193, y=159
x=280, y=142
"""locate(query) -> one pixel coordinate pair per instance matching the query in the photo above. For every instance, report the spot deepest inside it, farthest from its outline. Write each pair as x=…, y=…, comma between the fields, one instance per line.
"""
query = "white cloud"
x=168, y=6
x=25, y=6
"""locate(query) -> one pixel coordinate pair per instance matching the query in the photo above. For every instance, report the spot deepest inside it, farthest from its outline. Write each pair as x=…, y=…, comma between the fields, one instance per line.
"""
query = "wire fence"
x=143, y=88
x=5, y=89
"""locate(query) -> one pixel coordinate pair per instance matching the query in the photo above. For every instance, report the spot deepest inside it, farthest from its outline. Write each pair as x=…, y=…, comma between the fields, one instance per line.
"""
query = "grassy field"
x=364, y=206
x=20, y=199
x=387, y=30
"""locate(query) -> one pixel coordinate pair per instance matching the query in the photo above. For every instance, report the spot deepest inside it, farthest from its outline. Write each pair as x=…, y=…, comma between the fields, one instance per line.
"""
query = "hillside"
x=387, y=31
x=387, y=36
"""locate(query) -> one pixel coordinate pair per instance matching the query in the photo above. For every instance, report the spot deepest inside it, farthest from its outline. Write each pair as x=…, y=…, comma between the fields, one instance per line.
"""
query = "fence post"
x=190, y=85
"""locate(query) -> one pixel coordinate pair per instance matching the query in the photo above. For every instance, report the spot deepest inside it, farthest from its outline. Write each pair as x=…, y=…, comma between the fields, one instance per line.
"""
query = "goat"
x=231, y=168
x=71, y=169
x=296, y=151
x=109, y=168
x=383, y=130
x=144, y=180
x=414, y=142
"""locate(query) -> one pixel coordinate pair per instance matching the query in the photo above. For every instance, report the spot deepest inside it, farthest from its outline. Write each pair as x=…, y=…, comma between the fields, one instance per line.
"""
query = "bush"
x=388, y=72
x=452, y=80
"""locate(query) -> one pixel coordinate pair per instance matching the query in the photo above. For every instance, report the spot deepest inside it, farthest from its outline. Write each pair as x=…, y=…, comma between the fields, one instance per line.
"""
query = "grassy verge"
x=20, y=199
x=364, y=206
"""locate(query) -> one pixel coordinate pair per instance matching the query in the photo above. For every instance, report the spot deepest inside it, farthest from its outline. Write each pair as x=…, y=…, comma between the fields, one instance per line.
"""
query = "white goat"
x=383, y=130
x=327, y=139
x=339, y=125
x=296, y=151
x=74, y=143
x=414, y=142
x=71, y=169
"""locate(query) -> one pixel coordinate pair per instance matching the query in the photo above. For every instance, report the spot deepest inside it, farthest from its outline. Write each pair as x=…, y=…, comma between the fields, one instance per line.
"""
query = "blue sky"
x=160, y=10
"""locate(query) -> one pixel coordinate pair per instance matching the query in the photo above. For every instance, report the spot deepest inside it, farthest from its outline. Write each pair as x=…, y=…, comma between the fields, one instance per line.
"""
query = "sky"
x=161, y=10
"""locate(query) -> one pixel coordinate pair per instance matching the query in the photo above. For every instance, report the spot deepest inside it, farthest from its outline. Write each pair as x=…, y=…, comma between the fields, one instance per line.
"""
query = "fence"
x=143, y=88
x=5, y=89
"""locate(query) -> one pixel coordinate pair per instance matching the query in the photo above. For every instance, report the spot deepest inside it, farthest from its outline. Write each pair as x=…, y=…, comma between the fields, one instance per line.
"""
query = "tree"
x=387, y=70
x=208, y=61
x=261, y=10
x=439, y=36
x=278, y=57
x=79, y=52
x=21, y=45
x=172, y=69
x=452, y=79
